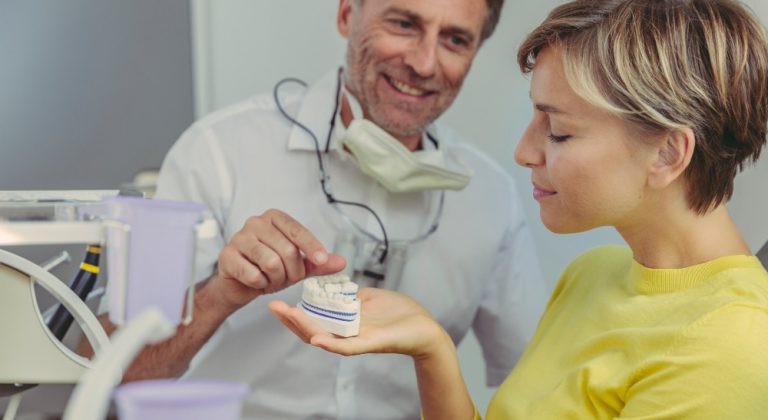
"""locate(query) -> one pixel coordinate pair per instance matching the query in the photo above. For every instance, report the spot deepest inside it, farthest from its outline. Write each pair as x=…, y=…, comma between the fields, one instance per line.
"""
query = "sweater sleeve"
x=717, y=369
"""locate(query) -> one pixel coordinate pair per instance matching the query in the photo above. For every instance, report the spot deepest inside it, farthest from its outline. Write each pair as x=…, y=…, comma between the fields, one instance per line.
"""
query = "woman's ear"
x=673, y=157
x=343, y=17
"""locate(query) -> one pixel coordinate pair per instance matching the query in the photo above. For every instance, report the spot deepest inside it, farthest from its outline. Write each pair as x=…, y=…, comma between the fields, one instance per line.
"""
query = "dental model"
x=331, y=301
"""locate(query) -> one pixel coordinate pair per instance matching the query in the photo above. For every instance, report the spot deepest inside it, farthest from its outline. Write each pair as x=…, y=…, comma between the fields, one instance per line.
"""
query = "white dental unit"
x=137, y=233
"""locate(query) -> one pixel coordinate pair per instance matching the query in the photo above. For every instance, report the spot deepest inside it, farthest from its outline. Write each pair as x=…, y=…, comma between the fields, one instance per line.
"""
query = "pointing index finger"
x=299, y=236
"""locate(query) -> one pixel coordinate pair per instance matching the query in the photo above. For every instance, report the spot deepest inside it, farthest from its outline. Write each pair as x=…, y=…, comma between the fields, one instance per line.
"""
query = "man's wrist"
x=212, y=298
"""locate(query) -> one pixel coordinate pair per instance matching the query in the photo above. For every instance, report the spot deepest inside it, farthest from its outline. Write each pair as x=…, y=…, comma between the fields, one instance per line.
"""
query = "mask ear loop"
x=324, y=178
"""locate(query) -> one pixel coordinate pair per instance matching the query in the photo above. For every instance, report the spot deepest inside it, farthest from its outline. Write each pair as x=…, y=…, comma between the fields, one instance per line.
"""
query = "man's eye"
x=458, y=41
x=404, y=24
x=554, y=138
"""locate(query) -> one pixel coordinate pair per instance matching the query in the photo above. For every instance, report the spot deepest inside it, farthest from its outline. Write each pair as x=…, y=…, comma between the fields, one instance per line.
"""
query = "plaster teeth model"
x=332, y=303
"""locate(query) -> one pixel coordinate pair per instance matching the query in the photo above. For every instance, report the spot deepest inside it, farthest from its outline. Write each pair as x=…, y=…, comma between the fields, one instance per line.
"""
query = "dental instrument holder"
x=168, y=399
x=117, y=286
x=144, y=317
x=151, y=248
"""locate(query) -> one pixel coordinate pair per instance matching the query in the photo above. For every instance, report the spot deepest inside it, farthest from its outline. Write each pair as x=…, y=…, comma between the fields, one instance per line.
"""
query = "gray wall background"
x=91, y=92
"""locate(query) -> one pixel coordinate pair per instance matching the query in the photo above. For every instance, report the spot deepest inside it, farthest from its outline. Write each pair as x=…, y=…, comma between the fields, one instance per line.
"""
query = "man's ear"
x=343, y=17
x=673, y=157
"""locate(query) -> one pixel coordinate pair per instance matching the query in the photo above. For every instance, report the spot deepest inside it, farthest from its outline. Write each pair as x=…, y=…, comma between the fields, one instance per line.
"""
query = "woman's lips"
x=541, y=193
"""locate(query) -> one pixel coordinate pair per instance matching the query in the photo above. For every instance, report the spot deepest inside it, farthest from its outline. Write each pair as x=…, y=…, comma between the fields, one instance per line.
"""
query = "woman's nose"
x=528, y=153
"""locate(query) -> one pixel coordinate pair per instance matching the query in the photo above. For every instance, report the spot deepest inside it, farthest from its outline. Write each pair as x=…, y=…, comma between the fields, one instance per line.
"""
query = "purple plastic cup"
x=150, y=255
x=170, y=399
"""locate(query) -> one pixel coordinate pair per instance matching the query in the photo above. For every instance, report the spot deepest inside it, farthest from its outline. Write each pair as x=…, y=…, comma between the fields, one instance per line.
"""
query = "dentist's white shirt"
x=478, y=270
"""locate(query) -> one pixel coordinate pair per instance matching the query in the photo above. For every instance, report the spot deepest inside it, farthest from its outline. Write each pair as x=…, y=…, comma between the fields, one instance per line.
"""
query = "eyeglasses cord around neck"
x=324, y=178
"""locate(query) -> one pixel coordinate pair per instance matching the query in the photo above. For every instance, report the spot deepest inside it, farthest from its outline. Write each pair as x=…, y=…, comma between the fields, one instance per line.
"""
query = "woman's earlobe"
x=672, y=158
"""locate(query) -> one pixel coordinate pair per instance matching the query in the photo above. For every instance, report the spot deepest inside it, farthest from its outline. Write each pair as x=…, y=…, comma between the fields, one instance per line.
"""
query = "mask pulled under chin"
x=382, y=157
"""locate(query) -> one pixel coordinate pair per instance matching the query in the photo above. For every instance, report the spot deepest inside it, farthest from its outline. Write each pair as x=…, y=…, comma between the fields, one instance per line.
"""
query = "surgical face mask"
x=382, y=157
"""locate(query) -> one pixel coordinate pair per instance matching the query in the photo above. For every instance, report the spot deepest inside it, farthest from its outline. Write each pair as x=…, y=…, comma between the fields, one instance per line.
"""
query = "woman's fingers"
x=295, y=320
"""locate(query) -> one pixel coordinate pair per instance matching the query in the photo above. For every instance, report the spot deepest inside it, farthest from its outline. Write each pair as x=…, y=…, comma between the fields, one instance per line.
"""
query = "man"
x=406, y=61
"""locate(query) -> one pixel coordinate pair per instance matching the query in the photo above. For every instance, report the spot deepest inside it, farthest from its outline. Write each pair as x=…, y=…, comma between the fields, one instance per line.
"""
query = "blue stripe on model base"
x=330, y=311
x=325, y=313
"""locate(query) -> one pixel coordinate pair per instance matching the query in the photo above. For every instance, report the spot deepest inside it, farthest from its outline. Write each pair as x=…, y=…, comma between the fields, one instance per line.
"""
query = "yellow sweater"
x=619, y=340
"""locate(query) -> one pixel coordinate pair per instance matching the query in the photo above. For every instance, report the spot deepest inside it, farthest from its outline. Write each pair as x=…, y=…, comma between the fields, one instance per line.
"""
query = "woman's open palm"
x=390, y=322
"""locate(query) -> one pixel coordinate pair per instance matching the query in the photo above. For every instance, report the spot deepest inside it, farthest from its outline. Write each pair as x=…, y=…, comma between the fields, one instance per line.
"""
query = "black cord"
x=336, y=104
x=324, y=177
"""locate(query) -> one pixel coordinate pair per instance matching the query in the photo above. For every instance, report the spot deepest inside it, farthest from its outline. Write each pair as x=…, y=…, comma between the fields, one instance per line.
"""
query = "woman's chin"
x=562, y=226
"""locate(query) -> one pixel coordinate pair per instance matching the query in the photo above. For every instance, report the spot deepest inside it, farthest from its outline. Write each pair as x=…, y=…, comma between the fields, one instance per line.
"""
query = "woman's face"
x=587, y=169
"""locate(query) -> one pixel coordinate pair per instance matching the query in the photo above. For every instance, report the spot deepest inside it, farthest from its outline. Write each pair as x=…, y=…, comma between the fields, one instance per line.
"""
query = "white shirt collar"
x=315, y=113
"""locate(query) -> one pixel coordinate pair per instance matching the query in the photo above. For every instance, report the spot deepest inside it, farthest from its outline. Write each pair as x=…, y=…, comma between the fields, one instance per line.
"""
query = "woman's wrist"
x=439, y=345
x=442, y=391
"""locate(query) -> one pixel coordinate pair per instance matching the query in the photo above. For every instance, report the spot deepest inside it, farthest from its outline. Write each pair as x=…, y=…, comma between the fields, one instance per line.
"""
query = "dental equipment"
x=167, y=399
x=82, y=285
x=150, y=247
x=32, y=354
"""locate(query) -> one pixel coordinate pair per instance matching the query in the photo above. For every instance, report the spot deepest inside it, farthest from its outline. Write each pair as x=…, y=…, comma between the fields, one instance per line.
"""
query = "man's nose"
x=422, y=56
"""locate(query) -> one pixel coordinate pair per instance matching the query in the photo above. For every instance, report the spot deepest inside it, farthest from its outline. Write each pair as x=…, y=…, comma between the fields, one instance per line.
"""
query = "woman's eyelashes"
x=554, y=138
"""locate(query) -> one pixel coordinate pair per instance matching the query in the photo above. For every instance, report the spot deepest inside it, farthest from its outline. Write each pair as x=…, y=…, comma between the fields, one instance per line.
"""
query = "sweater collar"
x=653, y=280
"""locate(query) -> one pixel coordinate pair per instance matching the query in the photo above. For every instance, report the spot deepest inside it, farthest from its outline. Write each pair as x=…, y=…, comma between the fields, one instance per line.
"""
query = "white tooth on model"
x=331, y=301
x=349, y=287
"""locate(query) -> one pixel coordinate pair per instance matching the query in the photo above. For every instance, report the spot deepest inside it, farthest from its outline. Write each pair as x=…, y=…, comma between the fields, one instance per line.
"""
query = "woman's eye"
x=554, y=138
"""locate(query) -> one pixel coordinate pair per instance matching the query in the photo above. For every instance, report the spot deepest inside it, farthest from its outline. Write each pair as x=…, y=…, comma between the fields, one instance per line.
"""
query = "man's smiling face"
x=407, y=59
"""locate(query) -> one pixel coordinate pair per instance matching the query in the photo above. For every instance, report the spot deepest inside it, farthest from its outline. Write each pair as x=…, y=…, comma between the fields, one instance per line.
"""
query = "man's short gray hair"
x=491, y=20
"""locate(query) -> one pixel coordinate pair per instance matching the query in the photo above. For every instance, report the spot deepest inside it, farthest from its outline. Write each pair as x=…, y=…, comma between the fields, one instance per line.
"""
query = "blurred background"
x=93, y=92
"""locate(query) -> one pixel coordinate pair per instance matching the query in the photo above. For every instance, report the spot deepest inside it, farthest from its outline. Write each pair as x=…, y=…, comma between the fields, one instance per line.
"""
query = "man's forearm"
x=171, y=357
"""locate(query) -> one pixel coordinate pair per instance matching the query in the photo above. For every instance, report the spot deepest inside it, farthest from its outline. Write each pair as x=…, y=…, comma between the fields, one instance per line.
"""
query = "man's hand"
x=271, y=252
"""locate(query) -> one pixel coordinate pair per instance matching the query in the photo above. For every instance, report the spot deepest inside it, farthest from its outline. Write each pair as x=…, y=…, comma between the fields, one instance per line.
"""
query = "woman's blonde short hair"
x=667, y=64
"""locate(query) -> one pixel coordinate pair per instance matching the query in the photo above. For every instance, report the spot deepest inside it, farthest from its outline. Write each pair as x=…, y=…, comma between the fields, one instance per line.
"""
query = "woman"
x=644, y=111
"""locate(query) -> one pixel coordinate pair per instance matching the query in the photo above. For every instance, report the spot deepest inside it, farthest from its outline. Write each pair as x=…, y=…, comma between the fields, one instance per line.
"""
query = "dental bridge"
x=149, y=247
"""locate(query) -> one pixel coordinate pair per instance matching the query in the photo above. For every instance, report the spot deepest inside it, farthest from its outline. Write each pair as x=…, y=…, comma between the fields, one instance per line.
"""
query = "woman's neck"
x=677, y=239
